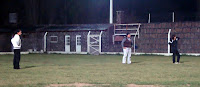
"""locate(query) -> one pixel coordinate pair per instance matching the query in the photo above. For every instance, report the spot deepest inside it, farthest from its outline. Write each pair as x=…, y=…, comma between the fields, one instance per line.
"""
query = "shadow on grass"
x=26, y=67
x=184, y=61
x=136, y=62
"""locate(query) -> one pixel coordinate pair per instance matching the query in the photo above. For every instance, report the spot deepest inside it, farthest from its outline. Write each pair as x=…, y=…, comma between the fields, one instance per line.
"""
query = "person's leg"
x=14, y=59
x=174, y=55
x=17, y=58
x=124, y=56
x=178, y=56
x=129, y=56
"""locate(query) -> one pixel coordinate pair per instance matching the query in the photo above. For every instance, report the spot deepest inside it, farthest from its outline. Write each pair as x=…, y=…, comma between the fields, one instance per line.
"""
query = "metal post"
x=134, y=43
x=173, y=18
x=149, y=21
x=169, y=41
x=111, y=11
x=45, y=42
x=139, y=30
x=88, y=42
x=100, y=42
x=114, y=34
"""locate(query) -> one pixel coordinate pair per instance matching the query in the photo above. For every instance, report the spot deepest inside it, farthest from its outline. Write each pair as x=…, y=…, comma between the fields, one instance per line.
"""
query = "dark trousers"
x=16, y=59
x=176, y=53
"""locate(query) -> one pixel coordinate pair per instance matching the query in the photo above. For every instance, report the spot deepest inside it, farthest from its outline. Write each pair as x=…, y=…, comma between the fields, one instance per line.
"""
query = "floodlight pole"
x=111, y=11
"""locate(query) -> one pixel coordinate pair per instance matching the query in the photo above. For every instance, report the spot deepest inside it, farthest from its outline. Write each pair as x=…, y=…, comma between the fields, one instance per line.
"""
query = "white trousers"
x=127, y=56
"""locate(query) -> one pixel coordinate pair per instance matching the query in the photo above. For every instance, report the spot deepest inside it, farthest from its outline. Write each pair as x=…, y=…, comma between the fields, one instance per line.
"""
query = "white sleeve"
x=171, y=41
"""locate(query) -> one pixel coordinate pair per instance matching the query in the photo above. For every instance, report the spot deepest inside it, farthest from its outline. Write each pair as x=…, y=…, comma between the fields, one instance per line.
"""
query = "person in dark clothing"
x=174, y=48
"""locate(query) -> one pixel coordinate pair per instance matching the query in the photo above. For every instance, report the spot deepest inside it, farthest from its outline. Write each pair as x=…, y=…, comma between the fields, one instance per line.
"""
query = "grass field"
x=40, y=70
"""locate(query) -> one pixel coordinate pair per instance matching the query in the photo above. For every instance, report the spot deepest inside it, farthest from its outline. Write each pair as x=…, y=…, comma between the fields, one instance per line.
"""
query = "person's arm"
x=170, y=42
x=177, y=38
x=132, y=44
x=122, y=43
x=14, y=41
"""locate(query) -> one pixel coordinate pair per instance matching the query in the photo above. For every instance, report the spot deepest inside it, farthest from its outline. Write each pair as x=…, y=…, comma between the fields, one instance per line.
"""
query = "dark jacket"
x=174, y=44
x=126, y=43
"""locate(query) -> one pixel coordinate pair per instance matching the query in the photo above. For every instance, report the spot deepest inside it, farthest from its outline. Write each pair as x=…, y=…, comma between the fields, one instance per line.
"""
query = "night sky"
x=34, y=12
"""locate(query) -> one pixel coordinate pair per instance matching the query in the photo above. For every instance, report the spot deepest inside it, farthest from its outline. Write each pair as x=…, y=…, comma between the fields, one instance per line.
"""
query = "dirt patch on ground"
x=134, y=85
x=76, y=85
x=95, y=85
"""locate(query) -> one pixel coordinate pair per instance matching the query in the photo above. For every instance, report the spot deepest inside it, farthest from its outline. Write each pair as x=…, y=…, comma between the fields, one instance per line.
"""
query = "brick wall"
x=154, y=36
x=153, y=39
x=5, y=42
x=32, y=40
x=60, y=46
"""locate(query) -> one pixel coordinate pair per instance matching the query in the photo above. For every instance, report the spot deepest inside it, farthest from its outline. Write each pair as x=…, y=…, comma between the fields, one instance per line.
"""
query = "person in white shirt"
x=16, y=42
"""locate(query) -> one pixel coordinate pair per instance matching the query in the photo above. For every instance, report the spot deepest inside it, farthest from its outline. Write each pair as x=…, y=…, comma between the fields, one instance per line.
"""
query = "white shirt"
x=16, y=42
